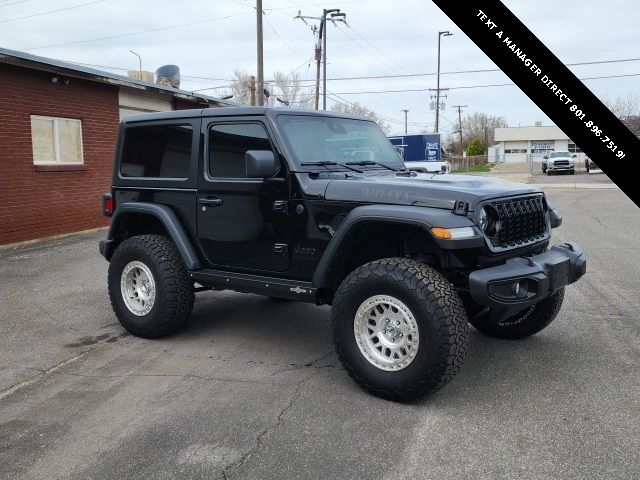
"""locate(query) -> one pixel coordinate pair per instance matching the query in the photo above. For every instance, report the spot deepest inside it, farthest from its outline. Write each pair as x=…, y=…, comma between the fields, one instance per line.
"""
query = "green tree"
x=475, y=147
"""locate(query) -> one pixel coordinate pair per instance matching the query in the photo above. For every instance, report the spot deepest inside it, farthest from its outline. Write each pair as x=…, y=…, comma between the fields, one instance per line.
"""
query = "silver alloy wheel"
x=138, y=288
x=386, y=332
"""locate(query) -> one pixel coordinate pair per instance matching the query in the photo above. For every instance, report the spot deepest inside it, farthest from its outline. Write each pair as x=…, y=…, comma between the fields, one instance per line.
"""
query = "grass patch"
x=483, y=167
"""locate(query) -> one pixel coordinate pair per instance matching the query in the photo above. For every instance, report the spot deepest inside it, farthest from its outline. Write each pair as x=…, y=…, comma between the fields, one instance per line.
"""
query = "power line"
x=51, y=11
x=365, y=49
x=391, y=59
x=109, y=37
x=14, y=3
x=487, y=70
x=461, y=87
x=279, y=37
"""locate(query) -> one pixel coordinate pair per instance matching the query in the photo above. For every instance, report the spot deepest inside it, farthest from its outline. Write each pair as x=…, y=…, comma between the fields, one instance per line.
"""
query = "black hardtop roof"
x=232, y=112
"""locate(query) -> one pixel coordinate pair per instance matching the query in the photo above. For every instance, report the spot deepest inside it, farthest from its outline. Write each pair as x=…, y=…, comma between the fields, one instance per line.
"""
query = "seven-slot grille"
x=521, y=220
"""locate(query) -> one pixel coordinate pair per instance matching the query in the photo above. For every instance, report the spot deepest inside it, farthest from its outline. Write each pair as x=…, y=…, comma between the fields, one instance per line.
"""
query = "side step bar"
x=242, y=282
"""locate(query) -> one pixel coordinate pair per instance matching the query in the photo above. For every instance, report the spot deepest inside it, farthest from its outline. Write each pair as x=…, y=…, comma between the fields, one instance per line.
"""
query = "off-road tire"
x=439, y=314
x=544, y=169
x=174, y=291
x=525, y=323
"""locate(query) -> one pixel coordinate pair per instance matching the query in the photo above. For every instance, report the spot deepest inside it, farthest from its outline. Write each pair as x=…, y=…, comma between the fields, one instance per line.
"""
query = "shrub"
x=475, y=147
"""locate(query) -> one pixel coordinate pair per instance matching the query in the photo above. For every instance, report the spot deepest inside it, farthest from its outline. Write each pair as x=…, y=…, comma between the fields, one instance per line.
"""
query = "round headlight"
x=488, y=220
x=483, y=219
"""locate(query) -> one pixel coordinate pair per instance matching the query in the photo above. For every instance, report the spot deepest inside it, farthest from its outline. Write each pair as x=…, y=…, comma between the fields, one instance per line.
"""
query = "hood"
x=429, y=190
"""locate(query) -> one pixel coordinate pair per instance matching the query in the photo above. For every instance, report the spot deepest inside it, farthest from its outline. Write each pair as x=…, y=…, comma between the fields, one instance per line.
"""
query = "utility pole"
x=318, y=60
x=260, y=85
x=440, y=35
x=405, y=120
x=252, y=89
x=333, y=15
x=486, y=140
x=460, y=107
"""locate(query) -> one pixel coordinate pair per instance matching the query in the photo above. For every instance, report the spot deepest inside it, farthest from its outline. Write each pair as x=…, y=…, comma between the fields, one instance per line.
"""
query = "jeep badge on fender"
x=318, y=207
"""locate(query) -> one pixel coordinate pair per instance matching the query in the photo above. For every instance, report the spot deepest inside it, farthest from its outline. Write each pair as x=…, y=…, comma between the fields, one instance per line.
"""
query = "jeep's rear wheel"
x=525, y=323
x=399, y=328
x=150, y=292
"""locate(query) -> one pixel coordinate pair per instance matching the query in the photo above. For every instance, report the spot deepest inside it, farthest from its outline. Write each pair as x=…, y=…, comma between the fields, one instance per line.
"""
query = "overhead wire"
x=408, y=90
x=458, y=72
x=151, y=30
x=51, y=11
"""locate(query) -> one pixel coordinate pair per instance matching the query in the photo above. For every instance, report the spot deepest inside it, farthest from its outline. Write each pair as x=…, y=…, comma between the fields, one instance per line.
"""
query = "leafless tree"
x=362, y=111
x=627, y=109
x=476, y=125
x=287, y=88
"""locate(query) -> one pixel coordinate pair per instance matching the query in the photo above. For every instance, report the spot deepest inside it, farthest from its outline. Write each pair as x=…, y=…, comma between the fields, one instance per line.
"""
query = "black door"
x=237, y=226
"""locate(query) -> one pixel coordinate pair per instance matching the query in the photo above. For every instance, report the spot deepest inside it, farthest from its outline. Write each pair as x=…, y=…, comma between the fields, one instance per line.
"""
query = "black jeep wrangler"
x=318, y=207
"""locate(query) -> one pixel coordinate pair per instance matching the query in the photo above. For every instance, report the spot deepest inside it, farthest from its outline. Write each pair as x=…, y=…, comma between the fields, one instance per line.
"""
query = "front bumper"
x=523, y=281
x=561, y=168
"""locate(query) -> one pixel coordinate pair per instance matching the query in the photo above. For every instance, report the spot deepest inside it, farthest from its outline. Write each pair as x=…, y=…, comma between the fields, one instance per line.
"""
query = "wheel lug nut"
x=397, y=322
x=384, y=330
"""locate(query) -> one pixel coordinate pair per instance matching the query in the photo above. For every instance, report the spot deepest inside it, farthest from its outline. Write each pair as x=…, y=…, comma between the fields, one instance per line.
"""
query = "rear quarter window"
x=157, y=151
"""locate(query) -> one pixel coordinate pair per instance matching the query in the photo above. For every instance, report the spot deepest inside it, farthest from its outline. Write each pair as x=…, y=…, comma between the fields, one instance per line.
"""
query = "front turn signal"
x=453, y=233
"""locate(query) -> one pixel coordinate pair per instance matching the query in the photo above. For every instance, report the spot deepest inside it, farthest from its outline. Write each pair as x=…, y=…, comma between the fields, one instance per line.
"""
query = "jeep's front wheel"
x=150, y=292
x=399, y=328
x=525, y=323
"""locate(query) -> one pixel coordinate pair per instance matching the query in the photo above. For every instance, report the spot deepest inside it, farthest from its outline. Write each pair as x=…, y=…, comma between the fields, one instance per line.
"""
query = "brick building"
x=58, y=127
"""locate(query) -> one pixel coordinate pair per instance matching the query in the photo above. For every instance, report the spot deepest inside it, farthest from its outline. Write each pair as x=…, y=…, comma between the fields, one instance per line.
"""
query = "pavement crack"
x=160, y=375
x=277, y=424
x=597, y=220
x=43, y=373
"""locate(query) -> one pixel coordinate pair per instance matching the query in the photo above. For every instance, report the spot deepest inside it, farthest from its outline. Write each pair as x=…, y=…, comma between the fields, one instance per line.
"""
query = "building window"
x=573, y=148
x=516, y=150
x=56, y=141
x=228, y=144
x=157, y=151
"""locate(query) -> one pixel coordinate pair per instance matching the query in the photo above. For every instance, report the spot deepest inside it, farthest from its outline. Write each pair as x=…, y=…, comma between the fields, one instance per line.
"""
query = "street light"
x=440, y=35
x=139, y=62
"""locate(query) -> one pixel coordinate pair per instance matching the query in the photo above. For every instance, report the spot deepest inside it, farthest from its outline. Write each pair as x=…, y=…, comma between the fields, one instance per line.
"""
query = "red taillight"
x=107, y=204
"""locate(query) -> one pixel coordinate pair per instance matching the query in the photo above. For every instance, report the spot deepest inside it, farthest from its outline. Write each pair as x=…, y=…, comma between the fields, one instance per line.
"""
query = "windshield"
x=559, y=154
x=327, y=139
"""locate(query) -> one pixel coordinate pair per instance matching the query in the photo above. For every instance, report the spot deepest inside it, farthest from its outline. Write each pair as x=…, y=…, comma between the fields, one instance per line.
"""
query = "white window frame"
x=56, y=141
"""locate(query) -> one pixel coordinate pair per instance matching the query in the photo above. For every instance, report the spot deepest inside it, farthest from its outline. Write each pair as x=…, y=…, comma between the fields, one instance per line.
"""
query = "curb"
x=578, y=186
x=36, y=241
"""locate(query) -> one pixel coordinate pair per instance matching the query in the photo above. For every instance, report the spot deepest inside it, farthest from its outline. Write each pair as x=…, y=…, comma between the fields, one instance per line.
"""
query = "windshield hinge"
x=461, y=208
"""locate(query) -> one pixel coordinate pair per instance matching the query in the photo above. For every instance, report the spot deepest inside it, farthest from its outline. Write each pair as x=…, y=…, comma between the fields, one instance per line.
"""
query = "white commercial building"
x=530, y=144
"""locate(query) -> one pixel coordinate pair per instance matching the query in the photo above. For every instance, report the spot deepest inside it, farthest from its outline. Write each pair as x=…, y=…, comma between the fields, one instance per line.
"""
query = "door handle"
x=211, y=202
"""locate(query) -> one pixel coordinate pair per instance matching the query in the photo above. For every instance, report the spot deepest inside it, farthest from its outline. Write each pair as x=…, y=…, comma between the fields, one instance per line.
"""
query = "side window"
x=159, y=151
x=229, y=142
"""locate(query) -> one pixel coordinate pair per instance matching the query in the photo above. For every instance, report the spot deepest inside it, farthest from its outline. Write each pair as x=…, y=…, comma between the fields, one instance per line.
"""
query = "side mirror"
x=546, y=157
x=260, y=163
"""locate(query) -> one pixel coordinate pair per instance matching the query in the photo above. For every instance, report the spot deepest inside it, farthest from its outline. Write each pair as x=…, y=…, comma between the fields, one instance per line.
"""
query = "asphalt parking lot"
x=253, y=389
x=580, y=178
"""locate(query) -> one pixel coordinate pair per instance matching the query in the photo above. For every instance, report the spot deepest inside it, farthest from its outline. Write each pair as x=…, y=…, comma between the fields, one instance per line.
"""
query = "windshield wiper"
x=371, y=162
x=325, y=163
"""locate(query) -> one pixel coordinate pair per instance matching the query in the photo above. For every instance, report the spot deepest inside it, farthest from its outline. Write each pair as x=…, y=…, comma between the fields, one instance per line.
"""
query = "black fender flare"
x=422, y=217
x=170, y=222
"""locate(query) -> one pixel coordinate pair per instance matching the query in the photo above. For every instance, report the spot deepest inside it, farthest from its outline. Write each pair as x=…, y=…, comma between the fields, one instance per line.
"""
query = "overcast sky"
x=384, y=37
